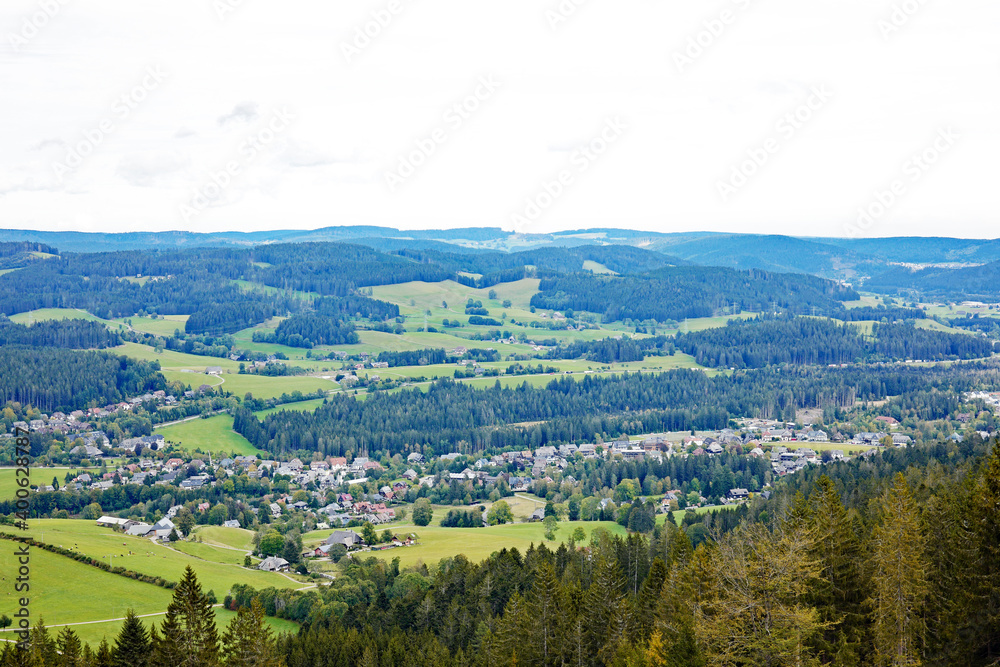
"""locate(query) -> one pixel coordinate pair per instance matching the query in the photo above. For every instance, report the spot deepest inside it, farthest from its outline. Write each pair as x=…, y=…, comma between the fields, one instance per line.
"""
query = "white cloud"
x=223, y=79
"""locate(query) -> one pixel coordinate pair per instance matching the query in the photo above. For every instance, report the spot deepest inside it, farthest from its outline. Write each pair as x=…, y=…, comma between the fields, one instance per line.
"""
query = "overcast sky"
x=777, y=116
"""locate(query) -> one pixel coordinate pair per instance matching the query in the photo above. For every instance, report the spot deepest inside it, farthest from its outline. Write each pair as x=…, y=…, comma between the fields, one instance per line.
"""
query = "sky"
x=854, y=118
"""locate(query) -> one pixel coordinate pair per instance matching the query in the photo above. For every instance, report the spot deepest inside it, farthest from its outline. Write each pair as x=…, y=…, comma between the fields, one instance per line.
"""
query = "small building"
x=273, y=564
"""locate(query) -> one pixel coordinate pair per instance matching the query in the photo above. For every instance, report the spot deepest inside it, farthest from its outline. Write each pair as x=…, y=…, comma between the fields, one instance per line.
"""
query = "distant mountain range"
x=853, y=260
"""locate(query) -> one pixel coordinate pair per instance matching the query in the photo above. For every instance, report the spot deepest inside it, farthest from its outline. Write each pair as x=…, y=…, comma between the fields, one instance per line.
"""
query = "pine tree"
x=987, y=525
x=761, y=615
x=838, y=594
x=601, y=602
x=189, y=636
x=544, y=610
x=248, y=641
x=43, y=649
x=70, y=649
x=899, y=578
x=132, y=643
x=105, y=657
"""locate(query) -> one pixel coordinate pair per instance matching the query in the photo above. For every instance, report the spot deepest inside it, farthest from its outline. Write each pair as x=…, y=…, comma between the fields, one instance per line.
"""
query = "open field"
x=54, y=314
x=8, y=478
x=301, y=406
x=147, y=557
x=272, y=387
x=161, y=326
x=212, y=553
x=66, y=591
x=476, y=544
x=172, y=360
x=237, y=538
x=957, y=310
x=93, y=633
x=214, y=434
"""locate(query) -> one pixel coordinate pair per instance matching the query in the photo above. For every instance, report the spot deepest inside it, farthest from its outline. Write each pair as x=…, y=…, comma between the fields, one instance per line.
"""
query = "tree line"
x=58, y=333
x=765, y=341
x=676, y=293
x=450, y=414
x=904, y=573
x=55, y=379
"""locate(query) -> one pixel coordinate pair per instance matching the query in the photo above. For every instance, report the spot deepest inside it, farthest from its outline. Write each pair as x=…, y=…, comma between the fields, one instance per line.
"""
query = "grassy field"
x=272, y=387
x=212, y=553
x=53, y=314
x=65, y=591
x=214, y=434
x=8, y=478
x=161, y=326
x=237, y=538
x=93, y=633
x=302, y=406
x=147, y=557
x=435, y=542
x=171, y=360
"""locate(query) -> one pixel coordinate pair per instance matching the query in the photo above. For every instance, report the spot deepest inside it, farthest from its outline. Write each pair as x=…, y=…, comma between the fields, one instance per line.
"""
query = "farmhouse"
x=346, y=537
x=273, y=564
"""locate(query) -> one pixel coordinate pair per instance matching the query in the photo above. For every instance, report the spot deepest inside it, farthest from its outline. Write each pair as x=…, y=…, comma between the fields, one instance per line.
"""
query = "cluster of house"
x=158, y=531
x=991, y=398
x=76, y=421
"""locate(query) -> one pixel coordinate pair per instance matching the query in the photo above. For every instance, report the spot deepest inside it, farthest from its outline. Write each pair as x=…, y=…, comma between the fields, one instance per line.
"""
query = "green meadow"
x=234, y=538
x=435, y=542
x=144, y=556
x=54, y=314
x=65, y=591
x=214, y=434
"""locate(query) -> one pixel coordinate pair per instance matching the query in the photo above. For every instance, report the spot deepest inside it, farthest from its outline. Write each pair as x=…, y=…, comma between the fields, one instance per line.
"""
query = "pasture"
x=435, y=542
x=144, y=556
x=214, y=434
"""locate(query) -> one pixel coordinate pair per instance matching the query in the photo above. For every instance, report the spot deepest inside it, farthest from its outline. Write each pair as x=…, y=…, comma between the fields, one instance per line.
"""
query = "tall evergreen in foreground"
x=188, y=636
x=248, y=641
x=132, y=645
x=899, y=579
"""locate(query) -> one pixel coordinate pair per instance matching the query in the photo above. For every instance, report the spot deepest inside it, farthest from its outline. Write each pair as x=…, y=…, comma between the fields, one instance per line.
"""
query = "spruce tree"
x=132, y=644
x=899, y=578
x=105, y=657
x=43, y=648
x=248, y=641
x=70, y=649
x=987, y=525
x=838, y=594
x=189, y=636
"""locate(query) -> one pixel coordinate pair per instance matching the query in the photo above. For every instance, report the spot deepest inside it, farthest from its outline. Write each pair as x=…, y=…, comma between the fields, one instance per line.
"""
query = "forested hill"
x=55, y=379
x=221, y=289
x=454, y=415
x=675, y=293
x=975, y=282
x=58, y=333
x=17, y=254
x=500, y=266
x=804, y=340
